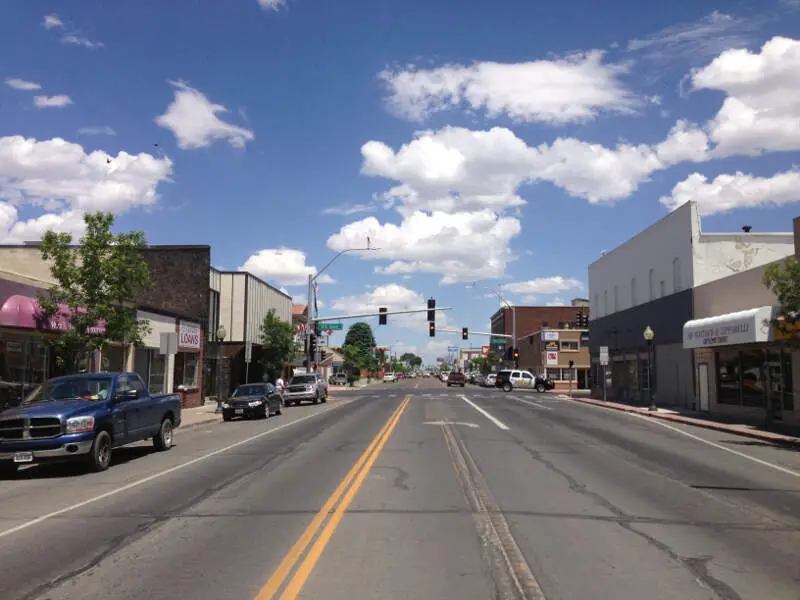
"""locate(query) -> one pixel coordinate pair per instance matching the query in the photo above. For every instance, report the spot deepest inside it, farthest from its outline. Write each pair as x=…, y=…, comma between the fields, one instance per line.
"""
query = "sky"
x=477, y=148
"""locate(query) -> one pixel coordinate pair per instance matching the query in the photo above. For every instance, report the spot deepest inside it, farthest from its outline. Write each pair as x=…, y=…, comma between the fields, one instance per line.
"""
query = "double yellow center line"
x=341, y=498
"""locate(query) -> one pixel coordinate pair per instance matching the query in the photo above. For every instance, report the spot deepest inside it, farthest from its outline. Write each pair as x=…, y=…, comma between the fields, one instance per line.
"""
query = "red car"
x=456, y=378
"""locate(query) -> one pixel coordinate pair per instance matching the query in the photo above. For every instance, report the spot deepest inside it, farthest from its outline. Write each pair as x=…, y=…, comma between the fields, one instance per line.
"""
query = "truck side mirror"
x=128, y=395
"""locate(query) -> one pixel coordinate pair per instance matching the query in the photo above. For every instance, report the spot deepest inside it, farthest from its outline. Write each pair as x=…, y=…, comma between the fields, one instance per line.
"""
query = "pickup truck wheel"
x=100, y=454
x=316, y=399
x=462, y=385
x=540, y=388
x=163, y=439
x=8, y=470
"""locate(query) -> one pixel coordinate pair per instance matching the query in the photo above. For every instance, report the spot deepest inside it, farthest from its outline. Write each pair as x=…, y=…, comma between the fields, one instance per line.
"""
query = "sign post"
x=604, y=364
x=248, y=356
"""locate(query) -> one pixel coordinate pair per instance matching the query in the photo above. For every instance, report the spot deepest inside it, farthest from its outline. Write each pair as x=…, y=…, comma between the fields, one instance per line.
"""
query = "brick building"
x=531, y=322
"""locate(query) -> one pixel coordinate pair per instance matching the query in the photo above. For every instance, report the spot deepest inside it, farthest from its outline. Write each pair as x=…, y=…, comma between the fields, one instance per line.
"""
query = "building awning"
x=743, y=327
x=24, y=311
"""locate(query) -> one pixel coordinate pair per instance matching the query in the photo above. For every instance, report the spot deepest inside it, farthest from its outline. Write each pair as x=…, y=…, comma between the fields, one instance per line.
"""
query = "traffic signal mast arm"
x=497, y=335
x=378, y=314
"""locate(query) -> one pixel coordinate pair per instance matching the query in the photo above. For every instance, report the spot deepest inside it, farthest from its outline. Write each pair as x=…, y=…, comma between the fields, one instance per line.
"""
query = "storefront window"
x=150, y=365
x=788, y=381
x=752, y=377
x=645, y=373
x=728, y=377
x=23, y=366
x=554, y=374
x=113, y=359
x=186, y=369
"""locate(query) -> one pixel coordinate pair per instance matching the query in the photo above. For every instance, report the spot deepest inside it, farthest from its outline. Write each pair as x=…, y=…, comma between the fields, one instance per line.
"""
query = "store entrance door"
x=774, y=383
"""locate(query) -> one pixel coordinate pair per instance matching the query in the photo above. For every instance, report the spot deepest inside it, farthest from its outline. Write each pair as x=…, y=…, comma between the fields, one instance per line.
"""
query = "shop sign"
x=552, y=359
x=745, y=327
x=550, y=336
x=189, y=336
x=551, y=347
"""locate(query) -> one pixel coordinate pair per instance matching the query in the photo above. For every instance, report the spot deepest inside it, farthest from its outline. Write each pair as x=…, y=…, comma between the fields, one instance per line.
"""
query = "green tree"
x=783, y=279
x=407, y=357
x=279, y=347
x=360, y=335
x=352, y=360
x=93, y=282
x=416, y=361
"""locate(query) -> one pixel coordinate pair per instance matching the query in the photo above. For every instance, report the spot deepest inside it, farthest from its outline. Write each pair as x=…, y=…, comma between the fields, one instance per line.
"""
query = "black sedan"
x=253, y=400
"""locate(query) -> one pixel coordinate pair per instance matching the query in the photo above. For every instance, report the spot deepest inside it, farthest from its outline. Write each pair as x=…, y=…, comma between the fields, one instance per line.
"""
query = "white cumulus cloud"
x=99, y=130
x=193, y=119
x=461, y=246
x=59, y=101
x=285, y=266
x=542, y=285
x=22, y=84
x=79, y=40
x=727, y=192
x=65, y=181
x=570, y=89
x=52, y=22
x=761, y=112
x=271, y=4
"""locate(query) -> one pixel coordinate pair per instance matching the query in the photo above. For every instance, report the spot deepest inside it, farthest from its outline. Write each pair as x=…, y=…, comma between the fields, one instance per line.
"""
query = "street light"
x=221, y=333
x=649, y=334
x=311, y=280
x=513, y=308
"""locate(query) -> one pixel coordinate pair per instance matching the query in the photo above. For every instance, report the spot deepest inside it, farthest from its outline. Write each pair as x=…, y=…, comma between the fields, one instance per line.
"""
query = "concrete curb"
x=199, y=423
x=783, y=440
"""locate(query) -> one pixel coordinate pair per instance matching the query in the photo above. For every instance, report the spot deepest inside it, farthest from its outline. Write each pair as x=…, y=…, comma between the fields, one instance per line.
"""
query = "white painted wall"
x=674, y=254
x=158, y=324
x=232, y=300
x=630, y=263
x=25, y=264
x=720, y=255
x=263, y=297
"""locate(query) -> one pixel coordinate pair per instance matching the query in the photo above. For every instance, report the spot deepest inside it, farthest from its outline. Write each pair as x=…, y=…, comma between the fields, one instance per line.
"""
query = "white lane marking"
x=530, y=403
x=160, y=474
x=427, y=395
x=464, y=423
x=720, y=446
x=392, y=395
x=493, y=419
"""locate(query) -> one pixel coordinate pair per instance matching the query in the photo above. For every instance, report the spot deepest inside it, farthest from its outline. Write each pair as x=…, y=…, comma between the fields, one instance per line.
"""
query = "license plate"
x=23, y=457
x=239, y=411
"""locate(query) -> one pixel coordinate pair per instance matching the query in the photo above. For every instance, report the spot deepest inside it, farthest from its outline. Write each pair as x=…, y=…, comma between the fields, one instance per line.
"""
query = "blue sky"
x=507, y=142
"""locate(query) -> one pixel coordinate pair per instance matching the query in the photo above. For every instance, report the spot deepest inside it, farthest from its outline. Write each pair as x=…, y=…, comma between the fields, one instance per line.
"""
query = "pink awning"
x=24, y=311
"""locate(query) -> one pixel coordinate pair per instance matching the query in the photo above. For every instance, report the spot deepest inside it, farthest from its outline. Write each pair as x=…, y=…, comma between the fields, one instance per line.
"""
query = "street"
x=413, y=490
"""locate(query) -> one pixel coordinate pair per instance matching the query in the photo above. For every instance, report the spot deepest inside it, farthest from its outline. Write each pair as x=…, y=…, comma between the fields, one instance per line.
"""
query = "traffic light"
x=509, y=353
x=432, y=329
x=312, y=345
x=579, y=318
x=382, y=316
x=571, y=364
x=516, y=353
x=586, y=320
x=322, y=354
x=464, y=333
x=431, y=312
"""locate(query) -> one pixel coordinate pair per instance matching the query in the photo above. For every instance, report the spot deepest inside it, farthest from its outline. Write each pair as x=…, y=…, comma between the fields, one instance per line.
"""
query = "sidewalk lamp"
x=649, y=334
x=221, y=333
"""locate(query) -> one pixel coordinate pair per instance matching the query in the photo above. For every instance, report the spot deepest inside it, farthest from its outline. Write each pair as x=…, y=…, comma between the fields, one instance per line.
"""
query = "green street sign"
x=329, y=326
x=499, y=341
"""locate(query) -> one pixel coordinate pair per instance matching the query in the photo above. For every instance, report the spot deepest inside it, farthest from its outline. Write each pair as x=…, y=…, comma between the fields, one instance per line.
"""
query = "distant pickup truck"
x=84, y=417
x=456, y=378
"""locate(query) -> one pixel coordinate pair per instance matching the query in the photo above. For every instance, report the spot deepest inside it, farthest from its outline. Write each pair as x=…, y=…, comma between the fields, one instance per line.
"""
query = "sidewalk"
x=677, y=415
x=201, y=415
x=361, y=383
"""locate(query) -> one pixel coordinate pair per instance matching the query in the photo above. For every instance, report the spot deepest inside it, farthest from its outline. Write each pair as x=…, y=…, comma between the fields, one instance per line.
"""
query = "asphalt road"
x=413, y=490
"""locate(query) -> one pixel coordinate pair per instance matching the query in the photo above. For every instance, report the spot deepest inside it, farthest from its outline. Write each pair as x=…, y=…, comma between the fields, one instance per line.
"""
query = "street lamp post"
x=513, y=308
x=311, y=279
x=221, y=333
x=649, y=334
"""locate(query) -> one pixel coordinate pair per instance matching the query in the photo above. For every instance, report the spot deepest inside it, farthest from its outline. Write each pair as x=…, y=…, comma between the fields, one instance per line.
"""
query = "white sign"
x=168, y=342
x=189, y=336
x=744, y=327
x=550, y=336
x=248, y=352
x=604, y=355
x=552, y=359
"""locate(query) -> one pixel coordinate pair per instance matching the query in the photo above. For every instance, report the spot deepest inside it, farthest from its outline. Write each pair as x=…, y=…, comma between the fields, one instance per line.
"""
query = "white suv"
x=389, y=378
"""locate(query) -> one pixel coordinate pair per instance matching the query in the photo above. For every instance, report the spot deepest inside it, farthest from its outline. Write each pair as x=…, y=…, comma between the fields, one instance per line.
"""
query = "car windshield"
x=304, y=379
x=79, y=388
x=249, y=390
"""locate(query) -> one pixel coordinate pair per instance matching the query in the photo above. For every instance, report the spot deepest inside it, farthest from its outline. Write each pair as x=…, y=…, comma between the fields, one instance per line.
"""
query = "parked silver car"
x=306, y=387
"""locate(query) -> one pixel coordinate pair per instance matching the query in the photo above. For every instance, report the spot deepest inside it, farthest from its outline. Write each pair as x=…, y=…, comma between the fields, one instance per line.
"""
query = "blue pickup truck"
x=84, y=417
